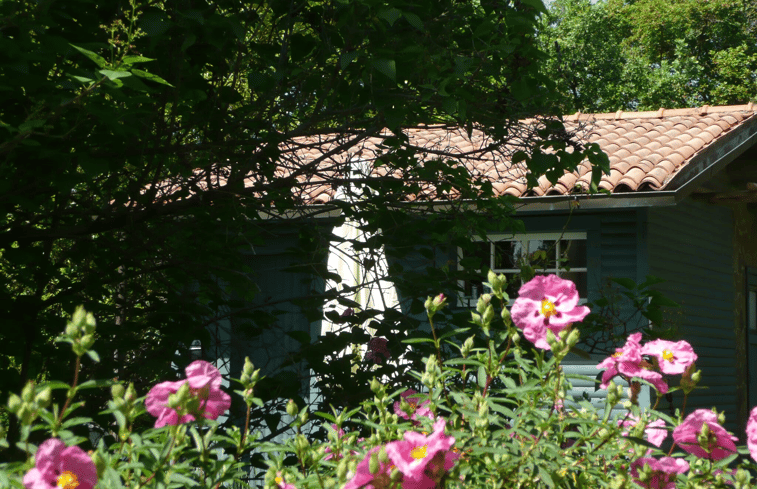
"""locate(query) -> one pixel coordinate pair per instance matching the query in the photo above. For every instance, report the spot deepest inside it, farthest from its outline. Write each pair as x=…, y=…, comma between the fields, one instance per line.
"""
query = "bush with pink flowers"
x=495, y=414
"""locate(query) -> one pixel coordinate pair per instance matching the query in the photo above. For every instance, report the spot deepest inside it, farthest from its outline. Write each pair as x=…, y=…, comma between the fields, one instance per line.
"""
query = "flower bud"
x=383, y=457
x=373, y=464
x=27, y=394
x=117, y=391
x=304, y=416
x=573, y=337
x=721, y=418
x=44, y=397
x=341, y=470
x=292, y=408
x=14, y=403
x=552, y=340
x=375, y=386
x=488, y=314
x=131, y=393
x=467, y=347
x=87, y=341
x=99, y=462
x=506, y=317
x=483, y=302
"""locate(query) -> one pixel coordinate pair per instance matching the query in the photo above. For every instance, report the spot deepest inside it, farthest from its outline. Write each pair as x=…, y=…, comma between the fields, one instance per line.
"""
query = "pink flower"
x=282, y=483
x=419, y=457
x=718, y=444
x=655, y=431
x=672, y=357
x=664, y=471
x=376, y=348
x=418, y=407
x=204, y=383
x=363, y=477
x=627, y=361
x=751, y=433
x=546, y=302
x=59, y=467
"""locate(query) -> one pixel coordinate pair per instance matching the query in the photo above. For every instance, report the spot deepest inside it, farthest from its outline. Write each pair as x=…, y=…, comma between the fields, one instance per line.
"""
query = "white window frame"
x=470, y=301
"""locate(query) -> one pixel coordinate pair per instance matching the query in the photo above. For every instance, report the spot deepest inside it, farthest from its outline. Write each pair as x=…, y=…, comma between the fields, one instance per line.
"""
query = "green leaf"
x=93, y=56
x=29, y=125
x=347, y=58
x=150, y=77
x=75, y=422
x=625, y=282
x=113, y=75
x=136, y=59
x=411, y=341
x=390, y=15
x=387, y=67
x=413, y=20
x=93, y=384
x=94, y=356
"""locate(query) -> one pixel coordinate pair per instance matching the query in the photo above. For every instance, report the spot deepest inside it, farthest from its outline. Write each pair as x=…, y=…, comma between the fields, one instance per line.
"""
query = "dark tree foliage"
x=146, y=145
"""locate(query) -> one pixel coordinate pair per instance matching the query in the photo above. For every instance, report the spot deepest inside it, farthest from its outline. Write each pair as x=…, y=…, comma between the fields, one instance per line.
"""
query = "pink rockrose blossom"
x=546, y=302
x=57, y=466
x=418, y=408
x=419, y=457
x=281, y=483
x=628, y=362
x=204, y=383
x=672, y=357
x=381, y=479
x=751, y=433
x=720, y=443
x=376, y=349
x=654, y=432
x=664, y=471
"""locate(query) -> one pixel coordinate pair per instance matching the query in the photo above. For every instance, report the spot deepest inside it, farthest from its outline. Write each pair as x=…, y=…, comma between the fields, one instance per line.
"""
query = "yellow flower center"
x=548, y=308
x=68, y=480
x=668, y=355
x=418, y=452
x=617, y=354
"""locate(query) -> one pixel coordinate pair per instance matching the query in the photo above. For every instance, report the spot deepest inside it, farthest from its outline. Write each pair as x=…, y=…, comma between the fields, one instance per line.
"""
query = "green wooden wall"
x=691, y=246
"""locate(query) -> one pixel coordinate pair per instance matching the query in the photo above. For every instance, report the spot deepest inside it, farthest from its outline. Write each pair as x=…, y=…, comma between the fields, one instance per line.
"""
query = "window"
x=562, y=254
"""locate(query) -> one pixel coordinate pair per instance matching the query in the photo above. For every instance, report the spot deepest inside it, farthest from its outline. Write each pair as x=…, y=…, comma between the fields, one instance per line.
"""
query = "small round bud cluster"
x=32, y=400
x=80, y=332
x=124, y=401
x=498, y=284
x=249, y=378
x=435, y=304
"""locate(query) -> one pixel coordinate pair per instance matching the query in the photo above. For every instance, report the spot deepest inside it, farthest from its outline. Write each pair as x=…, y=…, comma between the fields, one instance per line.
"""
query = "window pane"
x=578, y=278
x=506, y=254
x=542, y=253
x=513, y=285
x=575, y=252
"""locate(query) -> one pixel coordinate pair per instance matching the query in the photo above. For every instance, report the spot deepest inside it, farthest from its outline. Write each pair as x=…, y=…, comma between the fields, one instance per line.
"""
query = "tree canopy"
x=143, y=144
x=645, y=54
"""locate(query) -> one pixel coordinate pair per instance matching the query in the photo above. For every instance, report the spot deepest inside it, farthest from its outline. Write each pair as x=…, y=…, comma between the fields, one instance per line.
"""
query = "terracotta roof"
x=647, y=152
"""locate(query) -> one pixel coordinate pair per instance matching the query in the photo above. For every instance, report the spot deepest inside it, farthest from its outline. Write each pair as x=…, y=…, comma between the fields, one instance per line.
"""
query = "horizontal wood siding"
x=691, y=246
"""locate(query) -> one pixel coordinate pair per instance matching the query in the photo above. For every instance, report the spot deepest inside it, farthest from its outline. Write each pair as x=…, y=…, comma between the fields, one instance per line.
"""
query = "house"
x=680, y=203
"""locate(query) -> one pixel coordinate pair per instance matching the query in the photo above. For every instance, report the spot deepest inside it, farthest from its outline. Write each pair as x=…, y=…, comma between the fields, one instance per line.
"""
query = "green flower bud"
x=488, y=314
x=100, y=463
x=27, y=394
x=131, y=393
x=292, y=409
x=304, y=416
x=383, y=457
x=14, y=403
x=117, y=391
x=341, y=470
x=506, y=317
x=375, y=386
x=44, y=397
x=483, y=302
x=373, y=464
x=552, y=340
x=467, y=347
x=87, y=341
x=573, y=337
